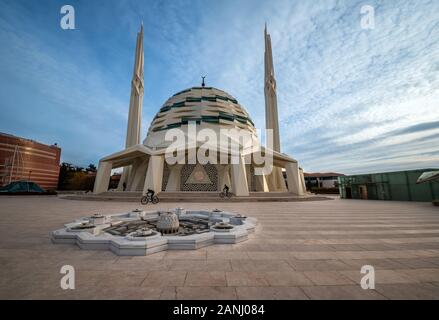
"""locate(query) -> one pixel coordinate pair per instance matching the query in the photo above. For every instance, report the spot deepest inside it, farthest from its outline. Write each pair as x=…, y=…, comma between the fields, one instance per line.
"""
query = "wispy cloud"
x=350, y=100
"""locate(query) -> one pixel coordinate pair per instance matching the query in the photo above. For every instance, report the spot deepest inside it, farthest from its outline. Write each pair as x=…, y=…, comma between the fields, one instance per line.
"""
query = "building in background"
x=24, y=159
x=399, y=185
x=324, y=180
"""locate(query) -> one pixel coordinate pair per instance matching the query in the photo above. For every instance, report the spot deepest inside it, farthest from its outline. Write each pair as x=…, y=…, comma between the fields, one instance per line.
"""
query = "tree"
x=80, y=181
x=76, y=178
x=64, y=174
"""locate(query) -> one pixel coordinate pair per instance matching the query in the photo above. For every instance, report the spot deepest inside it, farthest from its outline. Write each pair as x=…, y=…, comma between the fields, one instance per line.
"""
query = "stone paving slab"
x=271, y=293
x=349, y=292
x=300, y=250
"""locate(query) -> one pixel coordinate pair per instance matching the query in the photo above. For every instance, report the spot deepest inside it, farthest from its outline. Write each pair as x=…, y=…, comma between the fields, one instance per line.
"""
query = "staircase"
x=187, y=196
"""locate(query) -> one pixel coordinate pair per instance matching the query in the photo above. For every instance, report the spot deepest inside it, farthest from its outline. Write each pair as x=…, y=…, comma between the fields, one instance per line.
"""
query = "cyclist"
x=226, y=190
x=149, y=197
x=150, y=194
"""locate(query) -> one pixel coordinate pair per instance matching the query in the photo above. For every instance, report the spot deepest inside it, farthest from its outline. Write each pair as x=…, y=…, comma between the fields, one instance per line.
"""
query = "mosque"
x=146, y=166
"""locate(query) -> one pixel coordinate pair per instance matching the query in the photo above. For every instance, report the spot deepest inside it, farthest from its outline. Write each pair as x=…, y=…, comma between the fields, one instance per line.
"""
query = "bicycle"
x=148, y=198
x=225, y=194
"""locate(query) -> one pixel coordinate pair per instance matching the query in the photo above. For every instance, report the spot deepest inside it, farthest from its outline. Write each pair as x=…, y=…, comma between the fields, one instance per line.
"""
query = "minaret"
x=271, y=115
x=136, y=99
x=135, y=112
x=275, y=180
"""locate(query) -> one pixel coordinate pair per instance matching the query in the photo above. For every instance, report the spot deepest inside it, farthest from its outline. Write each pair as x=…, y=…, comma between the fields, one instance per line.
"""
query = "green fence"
x=399, y=185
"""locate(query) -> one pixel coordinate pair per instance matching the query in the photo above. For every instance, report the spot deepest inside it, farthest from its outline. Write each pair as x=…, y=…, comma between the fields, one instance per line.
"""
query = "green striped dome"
x=203, y=105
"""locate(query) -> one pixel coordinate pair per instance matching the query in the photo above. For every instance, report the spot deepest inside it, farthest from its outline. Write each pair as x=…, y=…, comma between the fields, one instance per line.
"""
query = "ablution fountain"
x=144, y=232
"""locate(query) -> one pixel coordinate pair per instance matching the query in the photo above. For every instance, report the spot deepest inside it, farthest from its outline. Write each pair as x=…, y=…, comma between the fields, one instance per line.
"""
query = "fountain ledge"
x=93, y=233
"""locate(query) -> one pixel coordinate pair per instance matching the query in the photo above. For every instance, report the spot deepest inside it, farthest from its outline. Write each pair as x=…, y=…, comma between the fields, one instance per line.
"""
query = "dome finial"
x=202, y=82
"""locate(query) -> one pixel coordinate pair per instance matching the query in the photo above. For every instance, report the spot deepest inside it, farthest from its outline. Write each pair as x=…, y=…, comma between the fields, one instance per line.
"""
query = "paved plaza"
x=301, y=250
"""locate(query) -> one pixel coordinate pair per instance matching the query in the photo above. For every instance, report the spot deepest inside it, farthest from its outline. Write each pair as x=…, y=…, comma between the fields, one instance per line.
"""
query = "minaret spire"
x=136, y=99
x=135, y=112
x=275, y=180
x=271, y=114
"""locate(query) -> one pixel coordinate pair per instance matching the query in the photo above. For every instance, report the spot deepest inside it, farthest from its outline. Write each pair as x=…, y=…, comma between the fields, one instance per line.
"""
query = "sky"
x=351, y=100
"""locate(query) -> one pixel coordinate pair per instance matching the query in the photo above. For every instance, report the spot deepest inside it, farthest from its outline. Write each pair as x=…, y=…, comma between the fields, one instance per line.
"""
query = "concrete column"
x=174, y=178
x=224, y=177
x=293, y=178
x=248, y=171
x=302, y=181
x=270, y=181
x=124, y=178
x=261, y=183
x=239, y=179
x=280, y=181
x=138, y=177
x=154, y=174
x=276, y=181
x=102, y=177
x=133, y=173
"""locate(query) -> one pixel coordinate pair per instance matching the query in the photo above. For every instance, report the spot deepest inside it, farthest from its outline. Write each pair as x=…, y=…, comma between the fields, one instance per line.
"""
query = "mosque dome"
x=206, y=106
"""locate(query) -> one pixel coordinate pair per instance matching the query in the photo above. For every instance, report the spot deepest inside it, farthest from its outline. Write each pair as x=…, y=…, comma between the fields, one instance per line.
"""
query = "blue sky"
x=350, y=100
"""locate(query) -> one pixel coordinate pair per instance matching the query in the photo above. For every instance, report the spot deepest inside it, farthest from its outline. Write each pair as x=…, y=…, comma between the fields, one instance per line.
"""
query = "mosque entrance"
x=197, y=177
